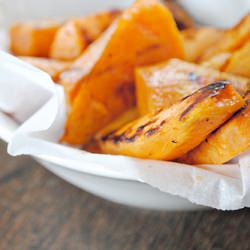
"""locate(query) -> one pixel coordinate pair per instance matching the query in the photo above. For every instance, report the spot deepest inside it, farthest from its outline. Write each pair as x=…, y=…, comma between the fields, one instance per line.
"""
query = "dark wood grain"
x=40, y=211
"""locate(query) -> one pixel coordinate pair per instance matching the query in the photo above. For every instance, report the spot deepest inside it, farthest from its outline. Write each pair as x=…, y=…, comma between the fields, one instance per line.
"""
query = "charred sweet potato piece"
x=239, y=63
x=50, y=66
x=198, y=40
x=119, y=122
x=75, y=35
x=224, y=144
x=168, y=134
x=232, y=39
x=33, y=38
x=182, y=18
x=100, y=84
x=164, y=84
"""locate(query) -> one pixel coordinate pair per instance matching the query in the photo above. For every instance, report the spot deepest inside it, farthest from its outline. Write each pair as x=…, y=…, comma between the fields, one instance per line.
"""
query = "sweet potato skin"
x=50, y=66
x=33, y=38
x=227, y=142
x=100, y=84
x=76, y=34
x=164, y=84
x=170, y=133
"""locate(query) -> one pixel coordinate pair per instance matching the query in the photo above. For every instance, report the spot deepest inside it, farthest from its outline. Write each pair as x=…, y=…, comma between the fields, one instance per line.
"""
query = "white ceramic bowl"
x=114, y=188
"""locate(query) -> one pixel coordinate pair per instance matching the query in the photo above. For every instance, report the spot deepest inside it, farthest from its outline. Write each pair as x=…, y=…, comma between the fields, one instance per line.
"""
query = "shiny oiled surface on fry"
x=39, y=211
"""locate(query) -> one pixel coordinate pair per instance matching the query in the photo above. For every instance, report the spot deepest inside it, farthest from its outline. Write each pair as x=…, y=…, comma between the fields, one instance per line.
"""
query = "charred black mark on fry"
x=139, y=129
x=107, y=136
x=86, y=36
x=211, y=90
x=184, y=98
x=192, y=106
x=152, y=131
x=217, y=85
x=162, y=123
x=126, y=91
x=158, y=111
x=241, y=110
x=180, y=25
x=130, y=139
x=147, y=124
x=174, y=141
x=122, y=138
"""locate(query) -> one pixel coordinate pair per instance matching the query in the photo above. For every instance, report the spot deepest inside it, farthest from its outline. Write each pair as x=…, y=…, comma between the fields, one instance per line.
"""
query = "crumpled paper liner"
x=31, y=97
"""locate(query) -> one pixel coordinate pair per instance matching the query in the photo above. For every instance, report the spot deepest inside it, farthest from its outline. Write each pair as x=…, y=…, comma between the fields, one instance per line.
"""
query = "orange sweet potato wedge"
x=76, y=34
x=69, y=42
x=164, y=84
x=33, y=38
x=119, y=122
x=232, y=39
x=230, y=140
x=239, y=63
x=100, y=84
x=170, y=133
x=50, y=66
x=198, y=40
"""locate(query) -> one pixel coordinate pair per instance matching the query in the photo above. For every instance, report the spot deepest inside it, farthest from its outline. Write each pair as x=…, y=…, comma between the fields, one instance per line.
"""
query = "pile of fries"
x=146, y=82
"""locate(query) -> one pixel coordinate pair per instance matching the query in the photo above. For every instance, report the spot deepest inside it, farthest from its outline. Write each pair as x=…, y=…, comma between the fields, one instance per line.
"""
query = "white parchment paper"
x=31, y=98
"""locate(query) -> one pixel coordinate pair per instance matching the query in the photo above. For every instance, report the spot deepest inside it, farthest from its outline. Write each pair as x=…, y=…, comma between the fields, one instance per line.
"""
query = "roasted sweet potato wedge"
x=239, y=63
x=33, y=38
x=69, y=42
x=169, y=134
x=100, y=84
x=119, y=122
x=50, y=66
x=182, y=18
x=76, y=34
x=232, y=39
x=224, y=144
x=198, y=40
x=164, y=84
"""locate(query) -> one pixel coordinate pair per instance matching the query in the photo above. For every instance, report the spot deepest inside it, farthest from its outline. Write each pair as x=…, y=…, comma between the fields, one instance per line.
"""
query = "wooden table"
x=40, y=211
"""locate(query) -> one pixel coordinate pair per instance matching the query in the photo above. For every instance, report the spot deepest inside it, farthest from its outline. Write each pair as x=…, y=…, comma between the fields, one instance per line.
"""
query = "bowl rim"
x=7, y=128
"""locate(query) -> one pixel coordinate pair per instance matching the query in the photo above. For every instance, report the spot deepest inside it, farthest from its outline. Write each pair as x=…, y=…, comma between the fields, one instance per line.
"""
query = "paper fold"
x=32, y=97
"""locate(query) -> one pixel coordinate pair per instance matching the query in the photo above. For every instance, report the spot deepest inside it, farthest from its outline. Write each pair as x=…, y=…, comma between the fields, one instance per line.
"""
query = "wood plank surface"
x=40, y=211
